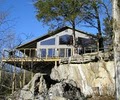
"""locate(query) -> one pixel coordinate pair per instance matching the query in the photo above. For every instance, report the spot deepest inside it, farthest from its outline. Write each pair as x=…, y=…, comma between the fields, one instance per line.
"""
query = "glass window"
x=66, y=39
x=48, y=42
x=68, y=52
x=51, y=52
x=43, y=52
x=62, y=53
x=84, y=42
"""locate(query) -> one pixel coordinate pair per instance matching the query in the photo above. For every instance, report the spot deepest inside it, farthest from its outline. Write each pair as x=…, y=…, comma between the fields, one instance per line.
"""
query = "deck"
x=31, y=57
x=28, y=59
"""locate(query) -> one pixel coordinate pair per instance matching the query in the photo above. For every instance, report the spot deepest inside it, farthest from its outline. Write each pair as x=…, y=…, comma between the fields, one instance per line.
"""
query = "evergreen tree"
x=61, y=12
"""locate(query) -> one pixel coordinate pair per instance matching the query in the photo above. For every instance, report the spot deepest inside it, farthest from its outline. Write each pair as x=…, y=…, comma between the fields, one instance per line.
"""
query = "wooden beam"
x=24, y=77
x=21, y=75
x=14, y=79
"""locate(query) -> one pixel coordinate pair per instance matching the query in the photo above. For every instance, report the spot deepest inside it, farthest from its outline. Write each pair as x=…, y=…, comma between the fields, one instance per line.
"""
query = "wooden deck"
x=28, y=59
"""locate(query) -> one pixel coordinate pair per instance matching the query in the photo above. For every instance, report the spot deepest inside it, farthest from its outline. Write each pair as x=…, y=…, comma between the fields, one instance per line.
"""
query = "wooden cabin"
x=49, y=49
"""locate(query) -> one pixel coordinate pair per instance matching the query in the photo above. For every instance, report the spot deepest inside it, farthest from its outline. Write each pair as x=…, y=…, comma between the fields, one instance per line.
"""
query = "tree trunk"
x=74, y=39
x=116, y=29
x=100, y=38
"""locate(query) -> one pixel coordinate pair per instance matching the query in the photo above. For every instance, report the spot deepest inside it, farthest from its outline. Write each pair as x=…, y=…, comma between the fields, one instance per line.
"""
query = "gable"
x=58, y=32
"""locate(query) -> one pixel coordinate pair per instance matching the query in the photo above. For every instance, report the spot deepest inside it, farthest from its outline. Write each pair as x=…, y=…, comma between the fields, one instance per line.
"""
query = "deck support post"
x=14, y=79
x=21, y=75
x=24, y=72
x=31, y=69
x=55, y=65
x=22, y=81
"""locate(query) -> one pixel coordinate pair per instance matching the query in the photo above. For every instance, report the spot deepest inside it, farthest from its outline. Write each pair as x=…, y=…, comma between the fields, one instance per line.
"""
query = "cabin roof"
x=33, y=43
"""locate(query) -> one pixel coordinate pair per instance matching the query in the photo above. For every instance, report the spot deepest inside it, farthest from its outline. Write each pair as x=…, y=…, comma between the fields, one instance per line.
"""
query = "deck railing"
x=44, y=53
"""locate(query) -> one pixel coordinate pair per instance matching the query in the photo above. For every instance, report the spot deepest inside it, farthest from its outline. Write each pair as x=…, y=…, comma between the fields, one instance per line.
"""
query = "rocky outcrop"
x=94, y=78
x=72, y=82
x=42, y=87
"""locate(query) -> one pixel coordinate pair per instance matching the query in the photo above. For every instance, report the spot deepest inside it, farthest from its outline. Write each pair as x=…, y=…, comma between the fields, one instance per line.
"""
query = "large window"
x=68, y=52
x=48, y=42
x=51, y=52
x=43, y=52
x=85, y=42
x=62, y=53
x=66, y=39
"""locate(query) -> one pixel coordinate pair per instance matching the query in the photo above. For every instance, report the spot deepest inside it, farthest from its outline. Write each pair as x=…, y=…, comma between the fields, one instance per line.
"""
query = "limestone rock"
x=72, y=81
x=87, y=76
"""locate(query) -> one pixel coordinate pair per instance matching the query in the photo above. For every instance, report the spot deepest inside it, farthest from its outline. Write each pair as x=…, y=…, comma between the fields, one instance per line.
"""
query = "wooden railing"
x=44, y=53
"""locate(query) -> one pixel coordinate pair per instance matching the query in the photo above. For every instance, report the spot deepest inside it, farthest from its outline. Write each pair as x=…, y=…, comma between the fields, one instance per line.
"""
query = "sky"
x=23, y=14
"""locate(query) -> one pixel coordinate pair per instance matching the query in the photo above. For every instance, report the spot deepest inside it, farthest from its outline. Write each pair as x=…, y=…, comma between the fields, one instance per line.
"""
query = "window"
x=51, y=52
x=43, y=52
x=66, y=39
x=62, y=53
x=84, y=42
x=48, y=42
x=68, y=51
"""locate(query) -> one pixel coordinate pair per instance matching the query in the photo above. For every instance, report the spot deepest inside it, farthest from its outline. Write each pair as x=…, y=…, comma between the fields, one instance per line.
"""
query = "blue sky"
x=23, y=13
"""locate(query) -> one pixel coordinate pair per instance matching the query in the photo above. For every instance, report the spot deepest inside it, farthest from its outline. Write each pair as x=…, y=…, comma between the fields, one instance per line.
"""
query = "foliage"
x=59, y=12
x=108, y=33
x=97, y=14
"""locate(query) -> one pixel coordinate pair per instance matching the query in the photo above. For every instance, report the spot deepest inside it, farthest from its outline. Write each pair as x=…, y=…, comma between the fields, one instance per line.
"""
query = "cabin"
x=48, y=49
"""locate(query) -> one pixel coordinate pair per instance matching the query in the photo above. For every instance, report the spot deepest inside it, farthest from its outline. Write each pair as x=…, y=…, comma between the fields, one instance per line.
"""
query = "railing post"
x=24, y=54
x=57, y=52
x=65, y=52
x=39, y=53
x=30, y=53
x=36, y=52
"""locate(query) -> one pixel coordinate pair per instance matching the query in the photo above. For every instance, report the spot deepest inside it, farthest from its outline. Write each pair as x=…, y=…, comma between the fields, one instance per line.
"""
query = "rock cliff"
x=94, y=78
x=72, y=82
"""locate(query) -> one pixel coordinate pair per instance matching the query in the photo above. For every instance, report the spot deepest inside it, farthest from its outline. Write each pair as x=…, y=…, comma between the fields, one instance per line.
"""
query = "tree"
x=8, y=40
x=6, y=37
x=6, y=33
x=116, y=29
x=60, y=13
x=108, y=33
x=93, y=17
